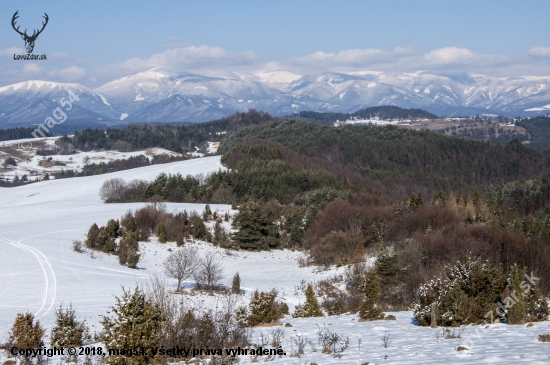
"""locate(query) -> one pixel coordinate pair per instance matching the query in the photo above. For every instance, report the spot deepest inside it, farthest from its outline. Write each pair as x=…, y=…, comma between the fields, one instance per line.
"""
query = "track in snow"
x=50, y=282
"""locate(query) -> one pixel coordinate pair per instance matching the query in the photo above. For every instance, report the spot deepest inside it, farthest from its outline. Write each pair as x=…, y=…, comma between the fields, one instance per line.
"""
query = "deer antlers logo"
x=29, y=40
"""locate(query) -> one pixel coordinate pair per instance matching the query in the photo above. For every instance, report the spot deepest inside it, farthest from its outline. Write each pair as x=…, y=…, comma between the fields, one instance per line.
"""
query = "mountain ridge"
x=165, y=96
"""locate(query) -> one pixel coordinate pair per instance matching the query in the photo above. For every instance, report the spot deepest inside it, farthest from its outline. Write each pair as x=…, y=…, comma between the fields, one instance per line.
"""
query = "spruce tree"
x=517, y=307
x=251, y=227
x=137, y=322
x=370, y=288
x=67, y=331
x=221, y=238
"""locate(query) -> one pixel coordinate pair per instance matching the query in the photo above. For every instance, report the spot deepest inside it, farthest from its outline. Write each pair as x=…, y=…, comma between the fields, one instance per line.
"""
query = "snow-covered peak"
x=41, y=86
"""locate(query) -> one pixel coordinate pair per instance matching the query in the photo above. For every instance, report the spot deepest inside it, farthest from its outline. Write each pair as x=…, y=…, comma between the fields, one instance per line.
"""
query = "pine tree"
x=370, y=288
x=137, y=322
x=236, y=284
x=67, y=331
x=311, y=307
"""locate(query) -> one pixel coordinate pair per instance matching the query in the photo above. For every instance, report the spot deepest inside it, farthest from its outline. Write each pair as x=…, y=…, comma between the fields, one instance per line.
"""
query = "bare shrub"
x=181, y=264
x=113, y=190
x=300, y=341
x=331, y=341
x=386, y=339
x=77, y=246
x=544, y=338
x=276, y=335
x=303, y=261
x=209, y=272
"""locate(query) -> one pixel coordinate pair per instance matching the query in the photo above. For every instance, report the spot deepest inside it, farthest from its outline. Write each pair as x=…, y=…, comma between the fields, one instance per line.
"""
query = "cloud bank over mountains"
x=216, y=61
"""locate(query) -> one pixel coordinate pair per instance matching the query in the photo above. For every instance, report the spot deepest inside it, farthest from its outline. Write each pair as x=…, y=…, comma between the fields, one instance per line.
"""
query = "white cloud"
x=350, y=57
x=200, y=59
x=9, y=52
x=32, y=69
x=216, y=61
x=542, y=52
x=70, y=74
x=463, y=56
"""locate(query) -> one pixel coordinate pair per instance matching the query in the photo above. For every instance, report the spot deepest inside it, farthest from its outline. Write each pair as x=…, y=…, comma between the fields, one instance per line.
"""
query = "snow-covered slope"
x=38, y=223
x=39, y=271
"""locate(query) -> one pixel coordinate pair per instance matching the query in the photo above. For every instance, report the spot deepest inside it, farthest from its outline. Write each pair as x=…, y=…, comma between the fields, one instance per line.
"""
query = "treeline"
x=385, y=112
x=177, y=138
x=404, y=160
x=278, y=192
x=117, y=165
x=18, y=133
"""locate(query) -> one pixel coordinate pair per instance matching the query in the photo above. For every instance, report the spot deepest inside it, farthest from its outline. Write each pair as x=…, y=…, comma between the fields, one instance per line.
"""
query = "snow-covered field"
x=35, y=166
x=39, y=271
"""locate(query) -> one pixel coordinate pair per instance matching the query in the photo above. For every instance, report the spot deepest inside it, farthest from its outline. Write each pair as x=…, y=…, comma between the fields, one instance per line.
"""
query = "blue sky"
x=98, y=41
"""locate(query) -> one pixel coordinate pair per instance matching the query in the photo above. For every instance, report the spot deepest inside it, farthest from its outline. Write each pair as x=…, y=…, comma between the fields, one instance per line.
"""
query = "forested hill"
x=176, y=138
x=383, y=112
x=404, y=160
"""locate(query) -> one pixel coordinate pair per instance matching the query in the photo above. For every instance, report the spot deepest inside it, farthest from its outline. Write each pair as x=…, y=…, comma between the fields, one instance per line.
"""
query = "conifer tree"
x=68, y=331
x=236, y=284
x=251, y=226
x=517, y=310
x=311, y=307
x=26, y=333
x=370, y=288
x=221, y=238
x=161, y=233
x=127, y=250
x=137, y=322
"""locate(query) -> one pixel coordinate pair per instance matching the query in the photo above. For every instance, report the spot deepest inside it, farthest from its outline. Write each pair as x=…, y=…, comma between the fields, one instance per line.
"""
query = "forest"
x=403, y=160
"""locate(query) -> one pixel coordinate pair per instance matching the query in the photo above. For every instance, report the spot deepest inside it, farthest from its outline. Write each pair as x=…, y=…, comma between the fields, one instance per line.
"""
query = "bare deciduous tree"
x=182, y=264
x=113, y=190
x=209, y=272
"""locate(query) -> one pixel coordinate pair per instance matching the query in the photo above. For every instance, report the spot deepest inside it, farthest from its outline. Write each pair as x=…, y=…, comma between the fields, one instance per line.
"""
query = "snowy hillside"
x=40, y=271
x=35, y=166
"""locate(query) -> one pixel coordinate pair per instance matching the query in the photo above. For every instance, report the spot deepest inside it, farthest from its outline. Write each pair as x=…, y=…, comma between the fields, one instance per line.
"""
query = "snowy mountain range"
x=162, y=96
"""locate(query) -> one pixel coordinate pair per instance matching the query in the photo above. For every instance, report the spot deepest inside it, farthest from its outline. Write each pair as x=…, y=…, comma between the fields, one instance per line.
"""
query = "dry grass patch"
x=461, y=348
x=390, y=317
x=544, y=338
